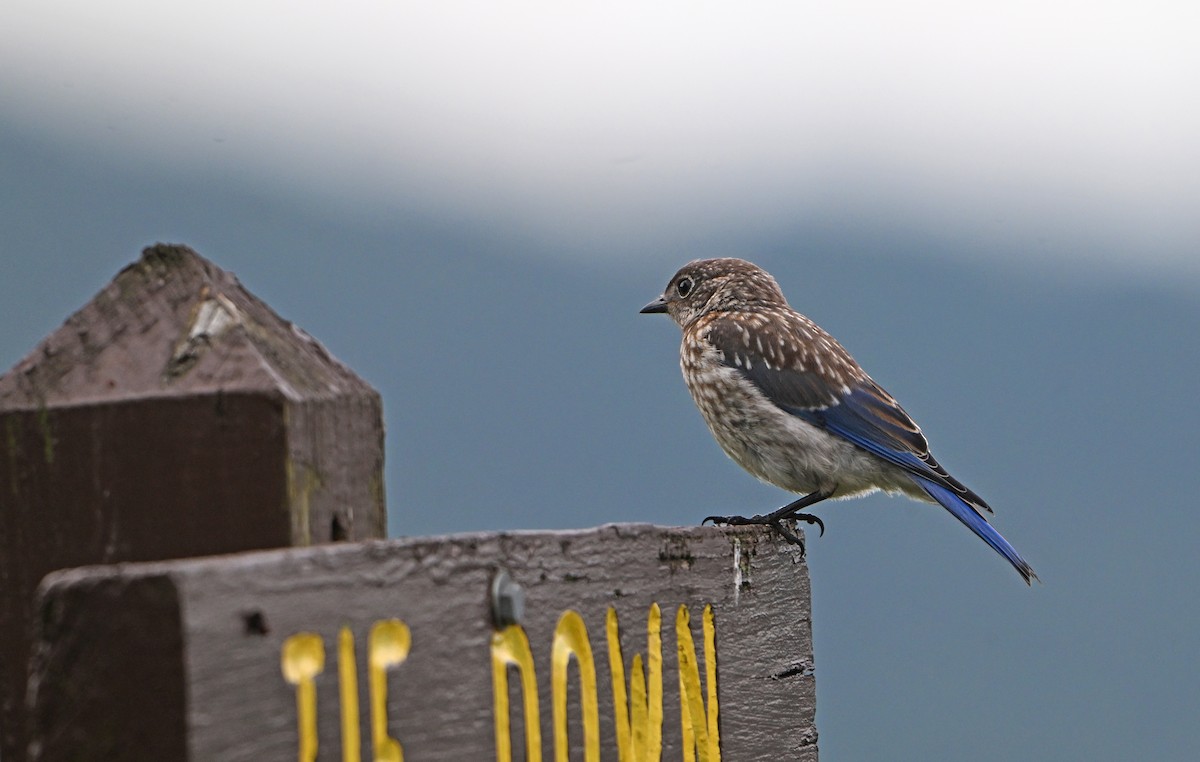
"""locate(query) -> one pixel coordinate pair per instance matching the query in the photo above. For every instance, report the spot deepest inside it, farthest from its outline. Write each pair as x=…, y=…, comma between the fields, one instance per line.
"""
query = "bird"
x=789, y=404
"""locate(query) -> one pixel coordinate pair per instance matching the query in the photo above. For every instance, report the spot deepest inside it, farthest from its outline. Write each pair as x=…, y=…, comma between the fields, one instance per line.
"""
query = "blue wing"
x=836, y=395
x=869, y=417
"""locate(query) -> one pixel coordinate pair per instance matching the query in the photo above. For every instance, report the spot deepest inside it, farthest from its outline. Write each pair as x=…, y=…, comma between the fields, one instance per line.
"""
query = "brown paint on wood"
x=236, y=612
x=91, y=706
x=175, y=415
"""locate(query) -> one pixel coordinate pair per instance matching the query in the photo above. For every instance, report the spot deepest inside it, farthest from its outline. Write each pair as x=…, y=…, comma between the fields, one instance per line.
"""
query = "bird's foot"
x=776, y=522
x=771, y=519
x=738, y=521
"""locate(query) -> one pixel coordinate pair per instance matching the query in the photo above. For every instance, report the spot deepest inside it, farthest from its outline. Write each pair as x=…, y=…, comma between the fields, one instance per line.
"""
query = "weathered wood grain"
x=235, y=613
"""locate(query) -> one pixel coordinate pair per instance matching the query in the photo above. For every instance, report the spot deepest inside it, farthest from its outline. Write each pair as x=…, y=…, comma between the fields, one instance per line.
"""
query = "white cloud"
x=637, y=120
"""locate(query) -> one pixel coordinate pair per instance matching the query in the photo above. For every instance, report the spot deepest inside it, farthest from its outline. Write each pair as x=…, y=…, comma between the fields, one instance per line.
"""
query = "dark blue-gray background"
x=1001, y=232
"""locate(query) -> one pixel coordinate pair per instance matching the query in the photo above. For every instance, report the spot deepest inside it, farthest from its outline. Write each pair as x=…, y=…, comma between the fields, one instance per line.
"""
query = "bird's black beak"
x=658, y=305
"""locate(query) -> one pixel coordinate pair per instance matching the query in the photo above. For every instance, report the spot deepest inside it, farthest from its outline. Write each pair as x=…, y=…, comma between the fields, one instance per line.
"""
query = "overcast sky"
x=635, y=126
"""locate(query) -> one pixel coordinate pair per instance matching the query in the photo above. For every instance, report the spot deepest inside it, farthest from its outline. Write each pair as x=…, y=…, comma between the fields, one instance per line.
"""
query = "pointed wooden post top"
x=174, y=324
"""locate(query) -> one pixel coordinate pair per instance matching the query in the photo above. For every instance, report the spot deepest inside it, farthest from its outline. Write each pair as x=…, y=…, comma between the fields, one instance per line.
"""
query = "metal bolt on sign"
x=507, y=599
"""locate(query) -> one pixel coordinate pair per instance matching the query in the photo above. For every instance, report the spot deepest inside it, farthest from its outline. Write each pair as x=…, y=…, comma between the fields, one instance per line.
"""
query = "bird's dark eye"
x=684, y=286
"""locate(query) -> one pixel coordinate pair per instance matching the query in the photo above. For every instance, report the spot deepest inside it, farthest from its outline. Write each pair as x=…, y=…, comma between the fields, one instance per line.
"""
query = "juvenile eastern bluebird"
x=792, y=407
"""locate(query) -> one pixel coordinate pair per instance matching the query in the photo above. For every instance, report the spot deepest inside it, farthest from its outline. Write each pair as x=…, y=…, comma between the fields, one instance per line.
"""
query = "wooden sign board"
x=625, y=642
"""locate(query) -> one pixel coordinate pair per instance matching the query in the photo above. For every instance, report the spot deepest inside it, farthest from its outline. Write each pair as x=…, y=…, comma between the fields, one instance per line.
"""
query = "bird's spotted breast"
x=775, y=446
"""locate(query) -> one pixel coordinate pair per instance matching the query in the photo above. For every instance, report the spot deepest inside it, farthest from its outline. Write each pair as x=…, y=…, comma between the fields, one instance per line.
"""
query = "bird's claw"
x=808, y=518
x=789, y=535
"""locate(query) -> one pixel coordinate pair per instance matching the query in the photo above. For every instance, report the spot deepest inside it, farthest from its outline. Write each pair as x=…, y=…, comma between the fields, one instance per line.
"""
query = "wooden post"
x=175, y=415
x=626, y=642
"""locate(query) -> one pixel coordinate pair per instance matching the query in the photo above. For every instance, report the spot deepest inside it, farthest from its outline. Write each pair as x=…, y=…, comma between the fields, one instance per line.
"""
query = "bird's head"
x=716, y=285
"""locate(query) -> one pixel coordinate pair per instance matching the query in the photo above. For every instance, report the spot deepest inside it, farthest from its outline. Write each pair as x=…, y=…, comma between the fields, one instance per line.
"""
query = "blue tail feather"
x=963, y=511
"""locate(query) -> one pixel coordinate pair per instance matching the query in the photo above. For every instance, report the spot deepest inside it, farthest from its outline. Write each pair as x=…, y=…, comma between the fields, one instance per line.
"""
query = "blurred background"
x=994, y=208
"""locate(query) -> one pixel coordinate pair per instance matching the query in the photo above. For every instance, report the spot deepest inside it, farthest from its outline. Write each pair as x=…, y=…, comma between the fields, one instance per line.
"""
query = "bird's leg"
x=792, y=509
x=775, y=519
